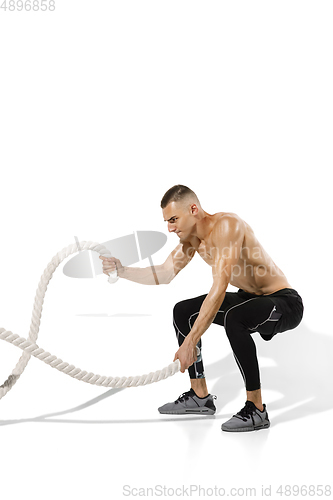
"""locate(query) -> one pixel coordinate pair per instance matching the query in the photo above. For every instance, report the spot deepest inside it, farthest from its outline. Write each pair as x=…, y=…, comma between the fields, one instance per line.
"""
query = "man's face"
x=180, y=218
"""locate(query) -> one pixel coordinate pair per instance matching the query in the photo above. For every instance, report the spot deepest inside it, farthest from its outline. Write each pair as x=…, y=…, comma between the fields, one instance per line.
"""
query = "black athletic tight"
x=242, y=314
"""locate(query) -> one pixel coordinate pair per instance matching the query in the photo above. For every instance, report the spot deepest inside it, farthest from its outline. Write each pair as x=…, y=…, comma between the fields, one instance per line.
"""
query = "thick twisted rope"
x=30, y=348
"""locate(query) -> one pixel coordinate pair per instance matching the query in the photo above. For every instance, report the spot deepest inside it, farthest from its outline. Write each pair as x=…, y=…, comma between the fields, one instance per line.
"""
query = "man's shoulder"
x=226, y=222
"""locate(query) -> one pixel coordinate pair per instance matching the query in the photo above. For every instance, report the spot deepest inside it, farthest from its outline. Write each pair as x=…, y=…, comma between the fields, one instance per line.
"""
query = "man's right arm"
x=153, y=275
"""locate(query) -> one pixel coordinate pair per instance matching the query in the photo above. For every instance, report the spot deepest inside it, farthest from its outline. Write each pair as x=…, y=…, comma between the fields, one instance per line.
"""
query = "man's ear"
x=194, y=209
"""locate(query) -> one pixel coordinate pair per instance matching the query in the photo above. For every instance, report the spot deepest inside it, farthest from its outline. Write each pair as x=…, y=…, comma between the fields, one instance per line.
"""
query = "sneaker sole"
x=248, y=429
x=199, y=411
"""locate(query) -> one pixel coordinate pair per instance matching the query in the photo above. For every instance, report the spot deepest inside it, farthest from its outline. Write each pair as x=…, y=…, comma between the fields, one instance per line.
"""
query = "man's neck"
x=203, y=226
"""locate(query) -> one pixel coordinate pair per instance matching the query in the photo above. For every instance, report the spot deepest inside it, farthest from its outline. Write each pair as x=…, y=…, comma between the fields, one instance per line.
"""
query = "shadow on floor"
x=302, y=373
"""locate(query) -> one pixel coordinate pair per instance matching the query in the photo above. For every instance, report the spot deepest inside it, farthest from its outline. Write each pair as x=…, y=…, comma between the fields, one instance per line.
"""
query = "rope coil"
x=30, y=348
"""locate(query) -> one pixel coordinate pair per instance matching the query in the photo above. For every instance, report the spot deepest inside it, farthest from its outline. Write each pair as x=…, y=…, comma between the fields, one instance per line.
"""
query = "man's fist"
x=111, y=264
x=187, y=355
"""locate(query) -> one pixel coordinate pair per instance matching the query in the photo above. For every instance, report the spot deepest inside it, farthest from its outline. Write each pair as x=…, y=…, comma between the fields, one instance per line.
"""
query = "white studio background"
x=104, y=106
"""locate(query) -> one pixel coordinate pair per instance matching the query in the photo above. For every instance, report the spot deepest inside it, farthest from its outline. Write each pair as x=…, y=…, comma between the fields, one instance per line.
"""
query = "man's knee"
x=179, y=310
x=182, y=314
x=180, y=321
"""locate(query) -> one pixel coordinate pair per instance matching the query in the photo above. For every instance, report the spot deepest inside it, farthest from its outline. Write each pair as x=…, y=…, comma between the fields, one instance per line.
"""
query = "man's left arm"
x=227, y=238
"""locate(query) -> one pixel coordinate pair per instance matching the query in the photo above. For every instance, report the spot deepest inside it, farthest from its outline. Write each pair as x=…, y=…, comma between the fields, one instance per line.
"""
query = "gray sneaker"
x=247, y=419
x=189, y=402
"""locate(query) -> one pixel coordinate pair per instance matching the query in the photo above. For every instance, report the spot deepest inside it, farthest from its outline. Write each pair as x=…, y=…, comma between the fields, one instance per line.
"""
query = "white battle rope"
x=30, y=348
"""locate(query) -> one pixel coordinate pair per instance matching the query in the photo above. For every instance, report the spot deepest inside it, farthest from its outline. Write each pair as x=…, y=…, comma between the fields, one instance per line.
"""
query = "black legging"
x=242, y=314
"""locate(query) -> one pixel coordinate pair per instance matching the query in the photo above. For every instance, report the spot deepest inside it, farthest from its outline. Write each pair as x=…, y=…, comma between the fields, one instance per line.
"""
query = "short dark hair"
x=177, y=193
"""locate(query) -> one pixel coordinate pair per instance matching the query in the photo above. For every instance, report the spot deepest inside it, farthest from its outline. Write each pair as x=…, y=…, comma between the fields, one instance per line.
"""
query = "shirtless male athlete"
x=264, y=302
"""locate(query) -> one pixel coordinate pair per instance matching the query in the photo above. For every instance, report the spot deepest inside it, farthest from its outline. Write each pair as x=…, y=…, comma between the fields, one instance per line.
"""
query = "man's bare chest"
x=208, y=252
